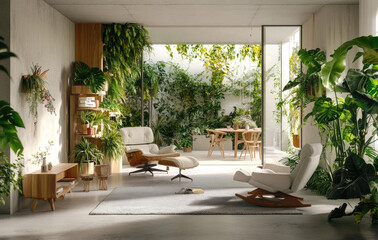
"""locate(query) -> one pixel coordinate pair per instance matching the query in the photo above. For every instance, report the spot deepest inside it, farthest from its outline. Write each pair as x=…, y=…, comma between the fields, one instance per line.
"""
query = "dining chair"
x=216, y=139
x=251, y=142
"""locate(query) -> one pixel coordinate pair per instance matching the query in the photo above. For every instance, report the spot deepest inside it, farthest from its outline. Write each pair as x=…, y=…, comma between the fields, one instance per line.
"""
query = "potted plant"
x=236, y=122
x=87, y=155
x=94, y=78
x=187, y=144
x=85, y=117
x=34, y=86
x=113, y=148
x=97, y=120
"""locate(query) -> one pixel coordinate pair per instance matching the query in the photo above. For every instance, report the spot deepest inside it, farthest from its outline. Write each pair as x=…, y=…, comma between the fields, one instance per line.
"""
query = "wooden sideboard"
x=43, y=185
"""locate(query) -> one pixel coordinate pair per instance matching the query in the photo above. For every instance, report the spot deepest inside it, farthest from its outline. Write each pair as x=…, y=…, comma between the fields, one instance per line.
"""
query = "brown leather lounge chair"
x=141, y=152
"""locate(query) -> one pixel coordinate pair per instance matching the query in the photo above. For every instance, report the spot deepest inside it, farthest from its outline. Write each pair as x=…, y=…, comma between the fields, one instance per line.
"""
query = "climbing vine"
x=123, y=48
x=217, y=58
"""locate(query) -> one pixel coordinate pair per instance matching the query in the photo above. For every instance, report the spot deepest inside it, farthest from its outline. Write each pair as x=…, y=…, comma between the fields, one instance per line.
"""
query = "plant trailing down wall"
x=123, y=47
x=9, y=121
x=35, y=87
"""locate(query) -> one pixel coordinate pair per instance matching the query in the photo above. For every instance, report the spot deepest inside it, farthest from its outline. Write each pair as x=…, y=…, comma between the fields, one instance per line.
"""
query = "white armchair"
x=141, y=152
x=278, y=181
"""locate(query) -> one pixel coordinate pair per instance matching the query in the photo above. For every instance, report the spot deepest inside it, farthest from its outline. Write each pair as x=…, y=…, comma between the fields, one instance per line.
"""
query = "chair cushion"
x=277, y=168
x=169, y=149
x=137, y=135
x=183, y=162
x=270, y=180
x=310, y=156
x=242, y=175
x=145, y=148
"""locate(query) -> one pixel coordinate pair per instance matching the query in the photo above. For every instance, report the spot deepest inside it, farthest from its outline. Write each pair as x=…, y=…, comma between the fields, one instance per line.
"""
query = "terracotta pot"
x=187, y=149
x=236, y=127
x=296, y=140
x=84, y=128
x=90, y=131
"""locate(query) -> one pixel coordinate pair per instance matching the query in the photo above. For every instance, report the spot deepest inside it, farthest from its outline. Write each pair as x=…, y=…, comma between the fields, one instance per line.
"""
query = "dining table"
x=237, y=141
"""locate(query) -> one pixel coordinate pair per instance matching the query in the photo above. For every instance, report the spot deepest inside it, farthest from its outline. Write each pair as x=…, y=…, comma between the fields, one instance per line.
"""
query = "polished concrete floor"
x=71, y=220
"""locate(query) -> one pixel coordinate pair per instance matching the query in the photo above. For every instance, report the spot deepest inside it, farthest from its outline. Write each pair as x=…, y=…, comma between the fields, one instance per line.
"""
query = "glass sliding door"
x=280, y=64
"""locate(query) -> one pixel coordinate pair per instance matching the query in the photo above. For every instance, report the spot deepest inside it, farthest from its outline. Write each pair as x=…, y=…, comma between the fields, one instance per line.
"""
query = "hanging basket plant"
x=34, y=86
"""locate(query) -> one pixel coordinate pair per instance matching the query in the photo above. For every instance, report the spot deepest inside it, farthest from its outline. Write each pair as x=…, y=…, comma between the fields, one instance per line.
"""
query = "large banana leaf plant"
x=354, y=119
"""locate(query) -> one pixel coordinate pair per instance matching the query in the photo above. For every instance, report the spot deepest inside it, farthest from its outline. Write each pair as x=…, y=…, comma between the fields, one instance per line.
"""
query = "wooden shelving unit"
x=75, y=128
x=43, y=185
x=88, y=49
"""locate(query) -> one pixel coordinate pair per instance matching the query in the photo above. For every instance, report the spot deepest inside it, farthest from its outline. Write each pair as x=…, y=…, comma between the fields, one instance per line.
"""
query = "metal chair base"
x=181, y=176
x=148, y=168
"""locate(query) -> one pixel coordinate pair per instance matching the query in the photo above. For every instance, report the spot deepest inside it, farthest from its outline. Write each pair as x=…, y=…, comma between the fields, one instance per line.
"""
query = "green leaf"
x=332, y=70
x=9, y=120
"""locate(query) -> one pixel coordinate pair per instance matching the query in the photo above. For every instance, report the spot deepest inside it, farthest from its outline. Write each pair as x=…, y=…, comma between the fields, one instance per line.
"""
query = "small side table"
x=103, y=183
x=86, y=181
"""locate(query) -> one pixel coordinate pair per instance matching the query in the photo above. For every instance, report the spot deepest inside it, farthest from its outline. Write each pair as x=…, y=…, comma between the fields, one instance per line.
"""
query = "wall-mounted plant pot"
x=87, y=168
x=187, y=149
x=296, y=140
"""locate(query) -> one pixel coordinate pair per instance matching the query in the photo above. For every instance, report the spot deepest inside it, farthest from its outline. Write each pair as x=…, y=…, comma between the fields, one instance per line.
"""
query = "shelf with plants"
x=86, y=116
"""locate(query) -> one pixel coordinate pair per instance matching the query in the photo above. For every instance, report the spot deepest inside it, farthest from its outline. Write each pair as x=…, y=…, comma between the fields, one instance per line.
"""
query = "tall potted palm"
x=87, y=155
x=113, y=148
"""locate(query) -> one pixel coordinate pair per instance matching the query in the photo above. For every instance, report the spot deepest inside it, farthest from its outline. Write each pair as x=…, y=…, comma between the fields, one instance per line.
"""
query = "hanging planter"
x=34, y=86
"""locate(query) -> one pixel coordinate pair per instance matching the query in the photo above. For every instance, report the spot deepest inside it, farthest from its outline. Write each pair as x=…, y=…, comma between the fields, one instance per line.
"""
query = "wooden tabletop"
x=61, y=167
x=240, y=130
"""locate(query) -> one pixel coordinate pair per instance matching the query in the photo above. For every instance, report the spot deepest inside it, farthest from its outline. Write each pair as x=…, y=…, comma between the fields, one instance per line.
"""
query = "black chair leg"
x=148, y=168
x=181, y=176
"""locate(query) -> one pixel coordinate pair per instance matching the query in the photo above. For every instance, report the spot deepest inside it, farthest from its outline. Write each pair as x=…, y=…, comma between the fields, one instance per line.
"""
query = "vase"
x=44, y=167
x=247, y=127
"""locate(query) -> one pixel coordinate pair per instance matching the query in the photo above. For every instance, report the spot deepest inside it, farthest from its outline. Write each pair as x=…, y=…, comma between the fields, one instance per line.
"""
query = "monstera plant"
x=94, y=78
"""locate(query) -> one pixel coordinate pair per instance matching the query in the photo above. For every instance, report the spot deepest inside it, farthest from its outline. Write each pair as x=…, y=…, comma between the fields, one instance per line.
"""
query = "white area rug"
x=146, y=195
x=158, y=201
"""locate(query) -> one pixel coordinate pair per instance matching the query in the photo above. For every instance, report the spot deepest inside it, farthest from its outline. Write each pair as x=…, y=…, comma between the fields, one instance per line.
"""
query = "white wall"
x=40, y=34
x=331, y=26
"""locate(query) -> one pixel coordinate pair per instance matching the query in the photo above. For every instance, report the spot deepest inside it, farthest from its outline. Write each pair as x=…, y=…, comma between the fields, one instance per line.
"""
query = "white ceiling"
x=201, y=21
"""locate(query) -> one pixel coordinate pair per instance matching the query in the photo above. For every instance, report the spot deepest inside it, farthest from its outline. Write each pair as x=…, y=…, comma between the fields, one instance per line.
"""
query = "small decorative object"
x=87, y=102
x=34, y=86
x=40, y=156
x=246, y=127
x=44, y=167
x=228, y=126
x=49, y=165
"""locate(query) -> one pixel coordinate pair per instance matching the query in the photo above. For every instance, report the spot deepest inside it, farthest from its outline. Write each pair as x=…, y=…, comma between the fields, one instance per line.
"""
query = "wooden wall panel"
x=88, y=44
